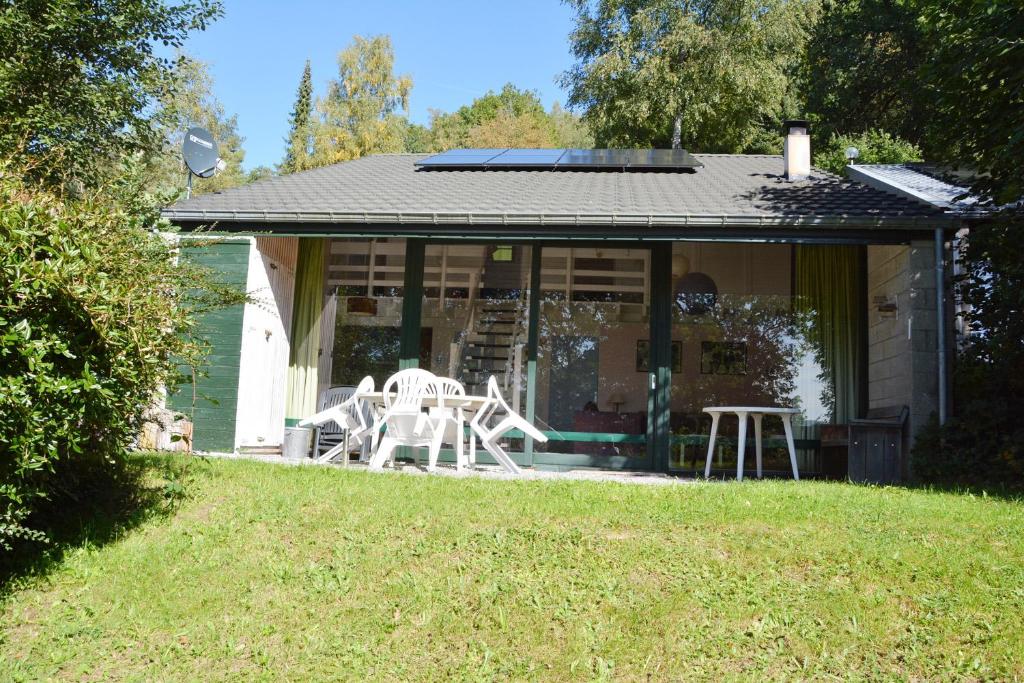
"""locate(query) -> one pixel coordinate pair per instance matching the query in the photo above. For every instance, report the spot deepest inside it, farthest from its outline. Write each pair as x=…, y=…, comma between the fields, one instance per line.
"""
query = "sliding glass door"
x=593, y=357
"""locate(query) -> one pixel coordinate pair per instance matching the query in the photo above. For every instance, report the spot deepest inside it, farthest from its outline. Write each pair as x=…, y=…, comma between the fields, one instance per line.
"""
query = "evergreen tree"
x=300, y=132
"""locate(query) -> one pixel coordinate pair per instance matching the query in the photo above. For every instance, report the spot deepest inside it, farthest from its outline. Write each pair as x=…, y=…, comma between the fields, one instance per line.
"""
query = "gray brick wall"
x=889, y=373
x=902, y=354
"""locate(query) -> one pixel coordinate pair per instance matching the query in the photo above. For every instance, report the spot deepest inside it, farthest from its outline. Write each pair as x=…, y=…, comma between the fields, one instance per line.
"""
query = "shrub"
x=874, y=146
x=984, y=442
x=96, y=314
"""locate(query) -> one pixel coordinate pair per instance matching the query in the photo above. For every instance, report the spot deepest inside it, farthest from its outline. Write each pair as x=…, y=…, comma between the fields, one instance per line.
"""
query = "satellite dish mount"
x=200, y=152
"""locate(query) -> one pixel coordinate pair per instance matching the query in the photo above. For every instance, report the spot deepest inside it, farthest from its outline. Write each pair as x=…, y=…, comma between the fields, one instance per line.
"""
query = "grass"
x=266, y=573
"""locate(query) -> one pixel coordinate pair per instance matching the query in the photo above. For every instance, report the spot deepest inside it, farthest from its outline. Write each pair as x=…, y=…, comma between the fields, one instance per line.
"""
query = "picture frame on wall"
x=723, y=358
x=643, y=356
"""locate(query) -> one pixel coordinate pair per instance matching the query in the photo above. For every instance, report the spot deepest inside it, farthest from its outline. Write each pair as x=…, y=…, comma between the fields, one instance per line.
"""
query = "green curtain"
x=305, y=339
x=830, y=294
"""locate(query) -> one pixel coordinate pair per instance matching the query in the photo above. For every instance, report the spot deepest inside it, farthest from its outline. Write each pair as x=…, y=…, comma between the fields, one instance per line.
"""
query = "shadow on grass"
x=96, y=507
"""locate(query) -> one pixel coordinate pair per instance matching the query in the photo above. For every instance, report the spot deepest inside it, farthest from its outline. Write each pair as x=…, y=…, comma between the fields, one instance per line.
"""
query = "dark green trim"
x=532, y=341
x=766, y=442
x=661, y=356
x=412, y=305
x=862, y=323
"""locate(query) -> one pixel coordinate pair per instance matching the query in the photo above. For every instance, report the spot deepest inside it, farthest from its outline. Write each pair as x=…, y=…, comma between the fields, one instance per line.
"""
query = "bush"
x=984, y=443
x=874, y=146
x=96, y=315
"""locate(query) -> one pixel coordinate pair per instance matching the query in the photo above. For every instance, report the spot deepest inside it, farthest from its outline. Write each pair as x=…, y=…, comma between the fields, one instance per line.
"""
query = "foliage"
x=874, y=147
x=510, y=118
x=418, y=139
x=975, y=80
x=358, y=115
x=861, y=70
x=710, y=76
x=984, y=441
x=95, y=315
x=570, y=131
x=193, y=103
x=79, y=79
x=300, y=127
x=531, y=580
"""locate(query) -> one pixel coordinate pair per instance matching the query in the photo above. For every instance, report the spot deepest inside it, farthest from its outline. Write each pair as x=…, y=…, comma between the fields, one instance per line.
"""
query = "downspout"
x=940, y=318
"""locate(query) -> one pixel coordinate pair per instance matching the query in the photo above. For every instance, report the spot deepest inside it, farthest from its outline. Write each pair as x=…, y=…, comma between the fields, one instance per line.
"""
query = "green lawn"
x=267, y=572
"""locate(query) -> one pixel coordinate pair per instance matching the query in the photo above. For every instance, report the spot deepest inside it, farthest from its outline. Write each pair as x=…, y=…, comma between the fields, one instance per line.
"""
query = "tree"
x=300, y=130
x=874, y=147
x=507, y=130
x=861, y=70
x=975, y=80
x=358, y=115
x=192, y=103
x=706, y=74
x=510, y=118
x=418, y=139
x=570, y=131
x=79, y=78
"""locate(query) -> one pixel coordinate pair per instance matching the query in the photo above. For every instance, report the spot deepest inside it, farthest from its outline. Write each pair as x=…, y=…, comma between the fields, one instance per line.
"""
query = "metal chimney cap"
x=790, y=124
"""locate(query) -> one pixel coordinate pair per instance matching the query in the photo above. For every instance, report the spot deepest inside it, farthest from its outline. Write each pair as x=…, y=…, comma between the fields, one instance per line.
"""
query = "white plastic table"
x=466, y=403
x=758, y=413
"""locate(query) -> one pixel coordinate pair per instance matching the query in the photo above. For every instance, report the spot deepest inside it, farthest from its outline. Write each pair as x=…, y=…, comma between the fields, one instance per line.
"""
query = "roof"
x=916, y=181
x=730, y=190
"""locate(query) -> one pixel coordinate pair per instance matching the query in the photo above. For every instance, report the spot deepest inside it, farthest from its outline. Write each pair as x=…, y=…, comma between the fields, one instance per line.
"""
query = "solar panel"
x=520, y=158
x=662, y=159
x=460, y=158
x=562, y=159
x=581, y=159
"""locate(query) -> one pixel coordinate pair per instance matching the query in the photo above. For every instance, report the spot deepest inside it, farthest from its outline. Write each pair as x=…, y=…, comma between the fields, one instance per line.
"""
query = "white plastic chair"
x=449, y=420
x=489, y=436
x=343, y=413
x=403, y=418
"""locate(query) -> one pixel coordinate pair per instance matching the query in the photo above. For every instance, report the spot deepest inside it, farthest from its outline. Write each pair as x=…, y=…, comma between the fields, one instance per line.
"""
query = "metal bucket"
x=298, y=442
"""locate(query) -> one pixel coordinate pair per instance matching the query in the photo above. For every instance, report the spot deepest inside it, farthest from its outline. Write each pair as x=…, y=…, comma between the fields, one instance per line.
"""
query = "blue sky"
x=455, y=50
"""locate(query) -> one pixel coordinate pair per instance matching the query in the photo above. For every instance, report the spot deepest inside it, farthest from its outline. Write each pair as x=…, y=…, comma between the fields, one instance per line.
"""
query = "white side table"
x=758, y=414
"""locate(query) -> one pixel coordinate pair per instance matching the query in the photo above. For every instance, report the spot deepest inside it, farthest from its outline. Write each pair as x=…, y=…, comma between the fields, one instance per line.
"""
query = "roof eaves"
x=637, y=220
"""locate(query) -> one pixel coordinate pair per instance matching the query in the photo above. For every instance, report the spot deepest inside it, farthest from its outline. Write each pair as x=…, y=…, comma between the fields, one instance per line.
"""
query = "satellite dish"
x=200, y=152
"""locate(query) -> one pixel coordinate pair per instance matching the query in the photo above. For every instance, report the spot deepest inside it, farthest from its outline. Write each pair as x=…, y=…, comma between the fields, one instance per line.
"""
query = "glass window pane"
x=742, y=336
x=591, y=367
x=367, y=277
x=475, y=310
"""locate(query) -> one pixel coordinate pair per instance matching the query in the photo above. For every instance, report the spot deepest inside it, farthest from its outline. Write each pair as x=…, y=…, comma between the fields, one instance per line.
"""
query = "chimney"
x=796, y=155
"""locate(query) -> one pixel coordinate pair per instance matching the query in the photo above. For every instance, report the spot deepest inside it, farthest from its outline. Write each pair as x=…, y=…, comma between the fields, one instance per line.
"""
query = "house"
x=613, y=299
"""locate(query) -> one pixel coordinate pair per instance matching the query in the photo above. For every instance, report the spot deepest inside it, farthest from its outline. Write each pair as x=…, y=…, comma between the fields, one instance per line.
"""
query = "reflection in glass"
x=475, y=315
x=366, y=277
x=591, y=392
x=756, y=343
